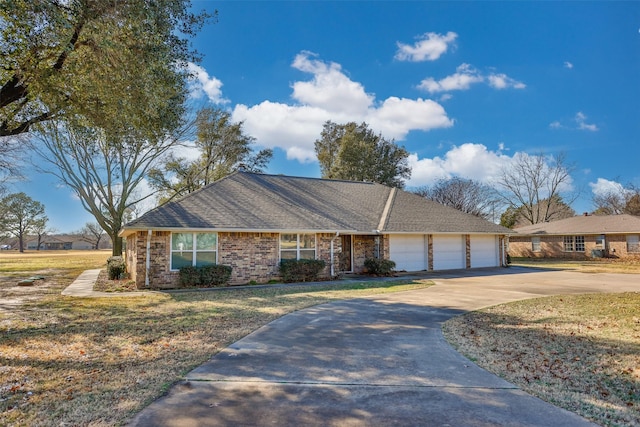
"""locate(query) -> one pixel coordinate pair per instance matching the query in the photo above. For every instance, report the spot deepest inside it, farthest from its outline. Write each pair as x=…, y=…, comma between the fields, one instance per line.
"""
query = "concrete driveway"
x=377, y=361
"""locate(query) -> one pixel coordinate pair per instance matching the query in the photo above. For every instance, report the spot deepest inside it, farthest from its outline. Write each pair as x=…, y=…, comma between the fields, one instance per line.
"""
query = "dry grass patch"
x=581, y=352
x=597, y=265
x=97, y=362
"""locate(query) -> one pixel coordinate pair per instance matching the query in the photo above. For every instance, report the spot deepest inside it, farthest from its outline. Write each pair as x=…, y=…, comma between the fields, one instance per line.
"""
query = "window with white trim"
x=600, y=241
x=535, y=244
x=633, y=243
x=193, y=249
x=297, y=246
x=574, y=243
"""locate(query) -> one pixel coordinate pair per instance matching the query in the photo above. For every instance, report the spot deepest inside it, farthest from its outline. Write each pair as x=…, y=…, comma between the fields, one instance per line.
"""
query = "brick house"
x=252, y=221
x=579, y=237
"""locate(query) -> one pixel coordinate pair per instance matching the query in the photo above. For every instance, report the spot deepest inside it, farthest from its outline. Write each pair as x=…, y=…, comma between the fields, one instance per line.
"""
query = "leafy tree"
x=104, y=172
x=20, y=216
x=109, y=62
x=351, y=151
x=530, y=180
x=463, y=194
x=223, y=148
x=624, y=200
x=93, y=233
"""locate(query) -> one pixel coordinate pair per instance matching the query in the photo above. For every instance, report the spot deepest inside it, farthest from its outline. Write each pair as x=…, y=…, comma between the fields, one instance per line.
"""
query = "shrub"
x=215, y=275
x=189, y=277
x=116, y=268
x=300, y=270
x=379, y=267
x=207, y=276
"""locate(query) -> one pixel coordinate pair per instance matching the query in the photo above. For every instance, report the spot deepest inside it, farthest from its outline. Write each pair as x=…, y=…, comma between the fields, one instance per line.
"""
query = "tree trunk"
x=21, y=243
x=117, y=245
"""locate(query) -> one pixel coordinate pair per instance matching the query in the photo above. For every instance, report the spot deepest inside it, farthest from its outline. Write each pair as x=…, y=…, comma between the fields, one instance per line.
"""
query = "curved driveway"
x=376, y=361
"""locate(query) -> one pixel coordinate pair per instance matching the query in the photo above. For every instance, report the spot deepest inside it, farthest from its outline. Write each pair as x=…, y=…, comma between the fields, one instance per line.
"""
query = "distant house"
x=579, y=237
x=253, y=221
x=64, y=242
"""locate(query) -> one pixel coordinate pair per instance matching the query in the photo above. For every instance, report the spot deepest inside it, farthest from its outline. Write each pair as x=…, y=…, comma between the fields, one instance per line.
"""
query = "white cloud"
x=332, y=95
x=203, y=84
x=471, y=161
x=429, y=47
x=581, y=120
x=464, y=77
x=330, y=88
x=602, y=187
x=568, y=65
x=502, y=81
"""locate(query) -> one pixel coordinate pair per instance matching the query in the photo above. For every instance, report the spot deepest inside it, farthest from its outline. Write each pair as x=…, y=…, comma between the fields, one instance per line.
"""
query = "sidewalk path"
x=82, y=287
x=376, y=361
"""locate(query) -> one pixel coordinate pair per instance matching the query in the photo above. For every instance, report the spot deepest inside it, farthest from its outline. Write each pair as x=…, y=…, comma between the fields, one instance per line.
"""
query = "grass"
x=581, y=352
x=68, y=361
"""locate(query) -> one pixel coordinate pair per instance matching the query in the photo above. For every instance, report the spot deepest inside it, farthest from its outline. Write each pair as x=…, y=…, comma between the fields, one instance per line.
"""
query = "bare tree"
x=104, y=172
x=93, y=233
x=528, y=181
x=623, y=200
x=463, y=194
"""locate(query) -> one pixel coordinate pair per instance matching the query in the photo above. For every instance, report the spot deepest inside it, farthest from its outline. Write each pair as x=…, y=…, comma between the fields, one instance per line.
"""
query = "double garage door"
x=410, y=252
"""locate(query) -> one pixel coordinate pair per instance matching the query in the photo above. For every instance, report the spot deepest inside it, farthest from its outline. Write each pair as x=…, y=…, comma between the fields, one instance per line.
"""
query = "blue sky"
x=463, y=86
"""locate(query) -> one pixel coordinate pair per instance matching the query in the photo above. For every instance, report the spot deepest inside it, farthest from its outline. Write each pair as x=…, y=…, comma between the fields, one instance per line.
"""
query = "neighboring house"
x=252, y=221
x=64, y=242
x=579, y=237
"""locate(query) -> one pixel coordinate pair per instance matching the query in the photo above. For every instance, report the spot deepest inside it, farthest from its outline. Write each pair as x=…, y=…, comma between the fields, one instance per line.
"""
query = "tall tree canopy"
x=354, y=152
x=463, y=194
x=20, y=216
x=109, y=62
x=223, y=148
x=528, y=181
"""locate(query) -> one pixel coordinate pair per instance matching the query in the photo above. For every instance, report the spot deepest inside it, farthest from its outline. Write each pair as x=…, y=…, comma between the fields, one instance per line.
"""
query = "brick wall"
x=553, y=247
x=252, y=256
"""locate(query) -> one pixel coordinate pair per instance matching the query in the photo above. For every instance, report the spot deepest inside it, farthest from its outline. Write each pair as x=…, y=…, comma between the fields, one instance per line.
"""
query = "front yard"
x=68, y=361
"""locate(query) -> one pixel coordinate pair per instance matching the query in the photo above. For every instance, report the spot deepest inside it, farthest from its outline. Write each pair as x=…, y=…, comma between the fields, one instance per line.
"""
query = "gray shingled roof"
x=250, y=201
x=592, y=224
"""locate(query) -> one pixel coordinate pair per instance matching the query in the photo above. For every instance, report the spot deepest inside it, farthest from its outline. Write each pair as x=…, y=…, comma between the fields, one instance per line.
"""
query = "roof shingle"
x=250, y=201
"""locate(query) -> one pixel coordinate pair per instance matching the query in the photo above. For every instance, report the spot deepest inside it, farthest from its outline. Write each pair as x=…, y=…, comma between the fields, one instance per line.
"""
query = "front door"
x=345, y=256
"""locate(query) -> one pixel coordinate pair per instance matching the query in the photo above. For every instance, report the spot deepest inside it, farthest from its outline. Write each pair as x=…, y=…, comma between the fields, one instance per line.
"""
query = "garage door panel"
x=484, y=251
x=408, y=252
x=449, y=252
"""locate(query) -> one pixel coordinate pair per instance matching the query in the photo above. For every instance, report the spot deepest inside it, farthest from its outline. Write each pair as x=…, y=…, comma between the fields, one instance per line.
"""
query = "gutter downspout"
x=333, y=269
x=148, y=261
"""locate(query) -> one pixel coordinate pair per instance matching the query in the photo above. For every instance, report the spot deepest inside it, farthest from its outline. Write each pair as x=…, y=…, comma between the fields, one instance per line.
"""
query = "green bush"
x=300, y=270
x=379, y=267
x=207, y=276
x=189, y=277
x=116, y=268
x=215, y=275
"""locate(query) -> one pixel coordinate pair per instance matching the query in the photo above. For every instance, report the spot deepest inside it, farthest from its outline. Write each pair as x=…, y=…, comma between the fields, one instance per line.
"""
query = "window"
x=535, y=244
x=633, y=243
x=297, y=246
x=193, y=249
x=574, y=243
x=600, y=242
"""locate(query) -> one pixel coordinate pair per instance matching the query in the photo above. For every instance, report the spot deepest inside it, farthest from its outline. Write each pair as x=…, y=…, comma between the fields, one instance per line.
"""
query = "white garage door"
x=408, y=252
x=484, y=251
x=449, y=252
